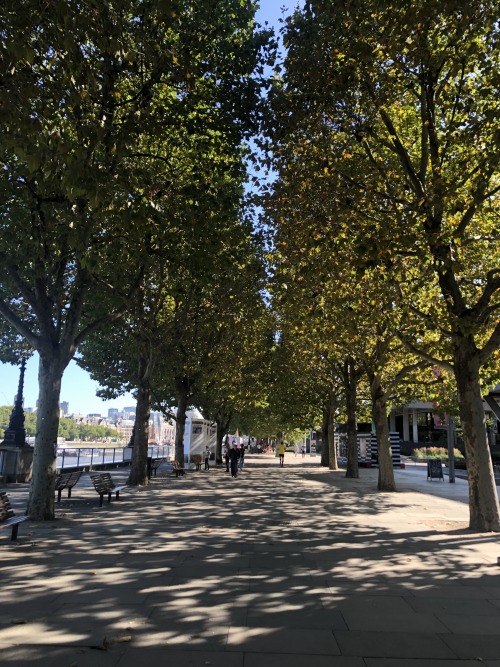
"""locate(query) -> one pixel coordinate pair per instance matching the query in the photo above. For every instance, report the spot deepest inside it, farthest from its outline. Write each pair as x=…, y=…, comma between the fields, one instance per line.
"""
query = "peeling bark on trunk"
x=180, y=420
x=332, y=450
x=333, y=463
x=483, y=497
x=139, y=469
x=42, y=489
x=350, y=380
x=325, y=448
x=386, y=480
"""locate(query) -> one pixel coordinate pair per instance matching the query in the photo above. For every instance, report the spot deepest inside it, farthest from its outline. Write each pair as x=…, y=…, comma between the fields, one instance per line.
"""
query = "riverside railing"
x=81, y=458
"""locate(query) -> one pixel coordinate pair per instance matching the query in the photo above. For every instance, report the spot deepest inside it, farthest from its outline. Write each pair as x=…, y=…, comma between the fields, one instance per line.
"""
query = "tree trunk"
x=484, y=514
x=180, y=420
x=325, y=447
x=333, y=462
x=350, y=387
x=220, y=438
x=386, y=480
x=139, y=469
x=42, y=489
x=222, y=430
x=329, y=431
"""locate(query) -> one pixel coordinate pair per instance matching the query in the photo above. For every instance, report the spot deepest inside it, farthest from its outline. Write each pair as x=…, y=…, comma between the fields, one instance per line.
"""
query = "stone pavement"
x=292, y=567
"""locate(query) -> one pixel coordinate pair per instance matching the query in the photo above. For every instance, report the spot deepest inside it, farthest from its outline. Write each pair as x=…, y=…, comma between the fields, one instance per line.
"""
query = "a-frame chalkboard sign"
x=434, y=469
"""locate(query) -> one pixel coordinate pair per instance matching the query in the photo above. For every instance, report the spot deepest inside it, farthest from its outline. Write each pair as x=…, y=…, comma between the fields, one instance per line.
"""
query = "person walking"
x=242, y=456
x=281, y=453
x=233, y=457
x=303, y=451
x=207, y=458
x=225, y=454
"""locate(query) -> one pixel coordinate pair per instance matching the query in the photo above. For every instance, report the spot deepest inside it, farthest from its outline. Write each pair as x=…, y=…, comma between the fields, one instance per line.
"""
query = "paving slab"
x=456, y=606
x=293, y=660
x=393, y=645
x=314, y=569
x=179, y=658
x=282, y=640
x=474, y=647
x=18, y=656
x=404, y=662
x=393, y=622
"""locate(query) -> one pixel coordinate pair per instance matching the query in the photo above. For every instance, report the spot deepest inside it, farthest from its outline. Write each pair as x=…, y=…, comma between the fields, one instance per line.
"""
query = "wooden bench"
x=178, y=469
x=66, y=480
x=155, y=464
x=104, y=485
x=7, y=517
x=197, y=460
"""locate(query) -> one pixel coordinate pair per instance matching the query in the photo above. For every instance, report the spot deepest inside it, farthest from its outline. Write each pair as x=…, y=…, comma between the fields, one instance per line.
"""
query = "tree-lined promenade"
x=368, y=275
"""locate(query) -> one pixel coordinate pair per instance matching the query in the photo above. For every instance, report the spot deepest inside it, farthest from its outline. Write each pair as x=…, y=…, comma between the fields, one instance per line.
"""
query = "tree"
x=87, y=89
x=400, y=102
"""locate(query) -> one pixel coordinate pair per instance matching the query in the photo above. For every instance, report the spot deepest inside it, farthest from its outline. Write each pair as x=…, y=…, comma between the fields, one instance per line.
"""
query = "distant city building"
x=94, y=415
x=113, y=413
x=161, y=431
x=124, y=428
x=64, y=408
x=129, y=413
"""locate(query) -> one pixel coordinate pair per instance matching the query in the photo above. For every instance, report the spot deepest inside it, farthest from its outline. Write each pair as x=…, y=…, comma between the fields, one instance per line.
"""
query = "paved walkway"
x=292, y=567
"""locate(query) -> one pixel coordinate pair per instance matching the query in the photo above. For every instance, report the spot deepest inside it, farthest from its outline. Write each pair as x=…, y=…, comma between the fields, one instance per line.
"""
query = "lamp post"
x=16, y=457
x=15, y=434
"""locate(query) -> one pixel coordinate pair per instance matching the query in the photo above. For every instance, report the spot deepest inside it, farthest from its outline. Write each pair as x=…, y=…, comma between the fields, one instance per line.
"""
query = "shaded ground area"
x=295, y=566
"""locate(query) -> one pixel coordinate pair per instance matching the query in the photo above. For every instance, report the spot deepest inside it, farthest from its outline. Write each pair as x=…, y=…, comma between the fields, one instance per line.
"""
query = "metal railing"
x=81, y=458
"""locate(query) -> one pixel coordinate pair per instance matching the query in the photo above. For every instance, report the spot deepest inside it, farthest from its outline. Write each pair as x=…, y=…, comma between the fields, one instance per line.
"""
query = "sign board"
x=434, y=469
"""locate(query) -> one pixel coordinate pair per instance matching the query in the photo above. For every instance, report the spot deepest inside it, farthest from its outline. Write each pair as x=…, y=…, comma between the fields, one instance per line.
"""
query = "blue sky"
x=78, y=389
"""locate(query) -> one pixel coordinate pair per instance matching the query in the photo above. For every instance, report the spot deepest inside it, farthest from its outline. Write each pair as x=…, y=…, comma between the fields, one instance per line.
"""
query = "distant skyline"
x=78, y=389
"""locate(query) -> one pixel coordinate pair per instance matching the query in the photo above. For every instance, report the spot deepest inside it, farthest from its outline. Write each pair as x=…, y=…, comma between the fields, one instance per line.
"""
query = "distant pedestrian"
x=242, y=456
x=303, y=451
x=233, y=457
x=281, y=453
x=207, y=458
x=225, y=454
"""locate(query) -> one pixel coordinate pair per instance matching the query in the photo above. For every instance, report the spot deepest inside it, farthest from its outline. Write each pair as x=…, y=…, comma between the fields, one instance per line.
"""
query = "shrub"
x=435, y=453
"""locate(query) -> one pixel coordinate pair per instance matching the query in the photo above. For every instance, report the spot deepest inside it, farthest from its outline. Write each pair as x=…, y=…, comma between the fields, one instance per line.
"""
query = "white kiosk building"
x=198, y=434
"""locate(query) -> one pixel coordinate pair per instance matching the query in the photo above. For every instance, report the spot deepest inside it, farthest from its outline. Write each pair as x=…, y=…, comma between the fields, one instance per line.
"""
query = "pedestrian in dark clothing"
x=207, y=459
x=226, y=457
x=242, y=456
x=233, y=457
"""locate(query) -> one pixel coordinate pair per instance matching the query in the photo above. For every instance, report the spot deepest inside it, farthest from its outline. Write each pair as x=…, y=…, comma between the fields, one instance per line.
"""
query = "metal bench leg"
x=59, y=495
x=101, y=499
x=117, y=495
x=109, y=497
x=15, y=528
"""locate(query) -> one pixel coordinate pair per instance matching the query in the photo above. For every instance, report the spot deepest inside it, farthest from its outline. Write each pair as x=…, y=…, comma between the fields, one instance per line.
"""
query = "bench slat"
x=66, y=480
x=7, y=517
x=104, y=485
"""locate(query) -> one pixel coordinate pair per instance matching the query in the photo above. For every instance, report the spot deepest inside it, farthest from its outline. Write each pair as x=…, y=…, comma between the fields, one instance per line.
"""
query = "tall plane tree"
x=85, y=89
x=402, y=102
